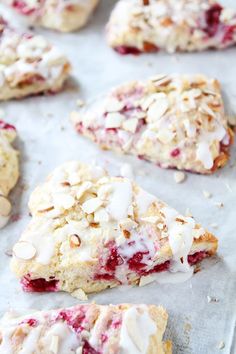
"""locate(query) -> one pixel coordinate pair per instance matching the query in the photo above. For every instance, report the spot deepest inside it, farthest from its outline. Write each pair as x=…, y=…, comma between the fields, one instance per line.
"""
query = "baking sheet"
x=46, y=139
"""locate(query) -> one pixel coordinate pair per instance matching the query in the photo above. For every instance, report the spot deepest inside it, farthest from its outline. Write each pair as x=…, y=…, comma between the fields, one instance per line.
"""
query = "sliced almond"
x=126, y=234
x=80, y=295
x=75, y=241
x=130, y=125
x=114, y=105
x=204, y=108
x=151, y=219
x=24, y=250
x=54, y=344
x=146, y=280
x=101, y=216
x=5, y=206
x=113, y=120
x=91, y=205
x=158, y=108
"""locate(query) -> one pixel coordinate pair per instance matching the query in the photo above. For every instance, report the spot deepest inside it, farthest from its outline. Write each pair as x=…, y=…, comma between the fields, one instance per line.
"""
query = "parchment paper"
x=47, y=138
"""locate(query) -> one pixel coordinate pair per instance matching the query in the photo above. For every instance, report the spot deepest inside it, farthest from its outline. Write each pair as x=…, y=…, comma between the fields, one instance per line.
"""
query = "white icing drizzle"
x=136, y=331
x=144, y=200
x=180, y=238
x=120, y=199
x=31, y=341
x=204, y=155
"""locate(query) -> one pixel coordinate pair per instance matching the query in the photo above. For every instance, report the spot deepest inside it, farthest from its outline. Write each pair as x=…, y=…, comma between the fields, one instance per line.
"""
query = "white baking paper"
x=47, y=139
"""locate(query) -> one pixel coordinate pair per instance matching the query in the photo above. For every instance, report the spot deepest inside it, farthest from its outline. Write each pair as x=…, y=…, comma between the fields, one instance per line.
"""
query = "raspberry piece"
x=38, y=285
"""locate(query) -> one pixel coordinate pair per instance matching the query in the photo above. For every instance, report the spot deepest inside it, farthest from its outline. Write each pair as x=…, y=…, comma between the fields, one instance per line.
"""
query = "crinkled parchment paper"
x=46, y=139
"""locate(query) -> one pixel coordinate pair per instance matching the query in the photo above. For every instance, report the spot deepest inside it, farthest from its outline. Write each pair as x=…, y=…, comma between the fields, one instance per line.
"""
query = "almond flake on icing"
x=204, y=108
x=101, y=216
x=91, y=205
x=63, y=200
x=113, y=120
x=151, y=219
x=83, y=188
x=24, y=250
x=144, y=200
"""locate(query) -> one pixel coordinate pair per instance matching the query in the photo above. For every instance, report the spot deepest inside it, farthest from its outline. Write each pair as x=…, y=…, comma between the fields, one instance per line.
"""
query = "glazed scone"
x=174, y=121
x=61, y=15
x=137, y=26
x=91, y=231
x=87, y=329
x=9, y=169
x=29, y=64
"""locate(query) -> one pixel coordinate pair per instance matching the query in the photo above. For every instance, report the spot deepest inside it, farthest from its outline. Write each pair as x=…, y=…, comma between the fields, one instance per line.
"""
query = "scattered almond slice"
x=80, y=295
x=114, y=120
x=24, y=250
x=179, y=177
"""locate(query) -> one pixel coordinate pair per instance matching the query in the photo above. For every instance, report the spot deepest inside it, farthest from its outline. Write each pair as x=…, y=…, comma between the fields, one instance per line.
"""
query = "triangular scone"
x=137, y=26
x=9, y=169
x=60, y=15
x=91, y=231
x=29, y=64
x=174, y=121
x=87, y=329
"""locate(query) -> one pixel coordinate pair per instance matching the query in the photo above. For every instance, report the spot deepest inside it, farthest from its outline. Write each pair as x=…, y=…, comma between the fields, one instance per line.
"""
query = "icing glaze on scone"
x=29, y=64
x=137, y=26
x=62, y=15
x=92, y=231
x=87, y=329
x=9, y=169
x=174, y=121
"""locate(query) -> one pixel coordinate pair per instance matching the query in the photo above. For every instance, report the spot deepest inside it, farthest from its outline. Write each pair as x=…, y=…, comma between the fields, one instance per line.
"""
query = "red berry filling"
x=197, y=257
x=32, y=322
x=74, y=320
x=22, y=7
x=175, y=152
x=6, y=126
x=124, y=50
x=213, y=19
x=38, y=285
x=87, y=349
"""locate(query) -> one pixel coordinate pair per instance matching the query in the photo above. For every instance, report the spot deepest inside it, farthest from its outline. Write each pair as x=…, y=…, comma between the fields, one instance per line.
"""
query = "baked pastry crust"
x=87, y=328
x=9, y=169
x=29, y=64
x=62, y=15
x=173, y=121
x=91, y=231
x=185, y=25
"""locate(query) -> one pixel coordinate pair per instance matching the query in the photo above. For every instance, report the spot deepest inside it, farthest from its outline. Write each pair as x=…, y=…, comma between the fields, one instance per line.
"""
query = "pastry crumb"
x=211, y=299
x=80, y=103
x=179, y=177
x=219, y=204
x=80, y=295
x=221, y=345
x=207, y=194
x=214, y=225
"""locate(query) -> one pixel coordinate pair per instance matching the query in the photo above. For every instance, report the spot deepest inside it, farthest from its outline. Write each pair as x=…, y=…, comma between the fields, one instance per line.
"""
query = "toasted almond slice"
x=204, y=108
x=158, y=108
x=5, y=206
x=114, y=105
x=91, y=205
x=24, y=250
x=54, y=345
x=130, y=125
x=151, y=219
x=80, y=295
x=146, y=280
x=75, y=241
x=113, y=120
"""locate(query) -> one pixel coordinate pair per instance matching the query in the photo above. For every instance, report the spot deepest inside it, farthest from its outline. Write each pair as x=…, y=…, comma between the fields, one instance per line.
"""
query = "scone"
x=91, y=231
x=29, y=64
x=174, y=121
x=137, y=26
x=61, y=15
x=9, y=169
x=87, y=329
